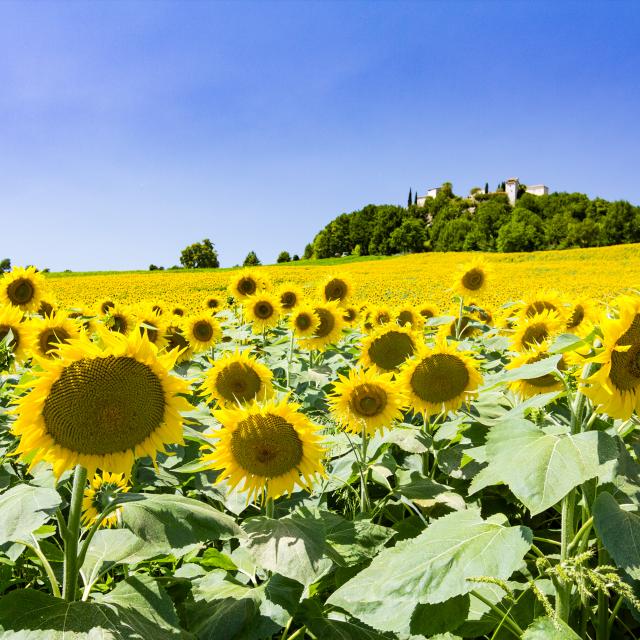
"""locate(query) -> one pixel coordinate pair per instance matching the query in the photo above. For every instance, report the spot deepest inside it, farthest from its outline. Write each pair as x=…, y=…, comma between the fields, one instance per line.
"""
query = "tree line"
x=484, y=222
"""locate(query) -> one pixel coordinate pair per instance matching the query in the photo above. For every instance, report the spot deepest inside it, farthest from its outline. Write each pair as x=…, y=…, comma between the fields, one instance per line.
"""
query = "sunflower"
x=304, y=321
x=213, y=303
x=388, y=347
x=290, y=297
x=247, y=283
x=237, y=378
x=178, y=311
x=177, y=341
x=120, y=319
x=471, y=278
x=270, y=449
x=22, y=288
x=350, y=315
x=409, y=315
x=428, y=311
x=542, y=301
x=263, y=310
x=329, y=330
x=581, y=317
x=336, y=289
x=366, y=399
x=150, y=322
x=45, y=335
x=104, y=305
x=202, y=332
x=101, y=491
x=380, y=316
x=440, y=378
x=615, y=388
x=11, y=321
x=46, y=308
x=101, y=407
x=527, y=388
x=465, y=325
x=536, y=330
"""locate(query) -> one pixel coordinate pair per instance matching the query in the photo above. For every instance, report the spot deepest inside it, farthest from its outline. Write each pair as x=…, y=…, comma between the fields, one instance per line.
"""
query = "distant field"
x=599, y=273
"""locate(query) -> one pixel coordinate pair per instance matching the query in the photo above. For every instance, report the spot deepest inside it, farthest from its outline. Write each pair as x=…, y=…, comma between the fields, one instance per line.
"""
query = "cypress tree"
x=410, y=199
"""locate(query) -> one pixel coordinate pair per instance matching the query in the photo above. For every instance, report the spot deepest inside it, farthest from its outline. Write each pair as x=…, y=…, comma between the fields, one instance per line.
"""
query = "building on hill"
x=511, y=188
x=431, y=193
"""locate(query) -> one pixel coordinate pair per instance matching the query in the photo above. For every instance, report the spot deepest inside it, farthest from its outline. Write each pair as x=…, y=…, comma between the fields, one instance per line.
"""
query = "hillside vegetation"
x=482, y=222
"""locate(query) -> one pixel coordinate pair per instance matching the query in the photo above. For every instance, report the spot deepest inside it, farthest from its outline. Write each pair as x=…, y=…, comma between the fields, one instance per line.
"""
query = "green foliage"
x=200, y=255
x=251, y=260
x=284, y=256
x=5, y=265
x=484, y=222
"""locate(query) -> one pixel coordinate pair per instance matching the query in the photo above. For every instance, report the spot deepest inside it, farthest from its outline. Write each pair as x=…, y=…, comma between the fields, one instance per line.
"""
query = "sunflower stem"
x=459, y=321
x=71, y=568
x=35, y=547
x=269, y=508
x=290, y=358
x=364, y=492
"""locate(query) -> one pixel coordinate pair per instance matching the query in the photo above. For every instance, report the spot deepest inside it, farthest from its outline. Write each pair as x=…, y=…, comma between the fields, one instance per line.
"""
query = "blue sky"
x=131, y=129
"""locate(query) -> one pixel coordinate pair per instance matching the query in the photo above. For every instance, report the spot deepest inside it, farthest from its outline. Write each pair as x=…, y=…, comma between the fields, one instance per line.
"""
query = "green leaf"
x=524, y=372
x=172, y=524
x=24, y=509
x=429, y=619
x=619, y=531
x=432, y=568
x=110, y=547
x=336, y=627
x=226, y=610
x=135, y=610
x=541, y=466
x=547, y=629
x=354, y=541
x=293, y=546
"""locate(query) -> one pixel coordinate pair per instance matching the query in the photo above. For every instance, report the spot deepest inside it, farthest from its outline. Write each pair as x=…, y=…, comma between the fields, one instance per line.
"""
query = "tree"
x=415, y=198
x=410, y=199
x=251, y=260
x=153, y=267
x=409, y=236
x=486, y=187
x=284, y=256
x=200, y=255
x=296, y=257
x=5, y=265
x=524, y=232
x=308, y=252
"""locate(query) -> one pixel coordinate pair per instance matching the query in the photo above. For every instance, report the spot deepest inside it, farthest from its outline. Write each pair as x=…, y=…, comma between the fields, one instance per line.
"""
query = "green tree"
x=251, y=260
x=284, y=256
x=308, y=252
x=410, y=198
x=5, y=265
x=524, y=232
x=486, y=187
x=410, y=236
x=200, y=255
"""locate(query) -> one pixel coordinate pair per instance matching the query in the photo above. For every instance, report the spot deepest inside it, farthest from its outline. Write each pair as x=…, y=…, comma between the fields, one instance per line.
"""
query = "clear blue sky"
x=131, y=129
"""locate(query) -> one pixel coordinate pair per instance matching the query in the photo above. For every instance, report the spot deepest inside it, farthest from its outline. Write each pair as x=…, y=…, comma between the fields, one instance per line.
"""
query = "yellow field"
x=600, y=273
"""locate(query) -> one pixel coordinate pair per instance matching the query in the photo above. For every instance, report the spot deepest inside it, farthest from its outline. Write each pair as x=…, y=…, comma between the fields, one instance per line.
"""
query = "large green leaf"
x=525, y=372
x=135, y=610
x=227, y=610
x=110, y=547
x=547, y=629
x=24, y=509
x=540, y=465
x=172, y=524
x=433, y=567
x=334, y=626
x=293, y=546
x=619, y=531
x=353, y=541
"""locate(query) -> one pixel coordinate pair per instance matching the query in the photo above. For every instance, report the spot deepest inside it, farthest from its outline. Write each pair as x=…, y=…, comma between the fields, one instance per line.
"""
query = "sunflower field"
x=280, y=459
